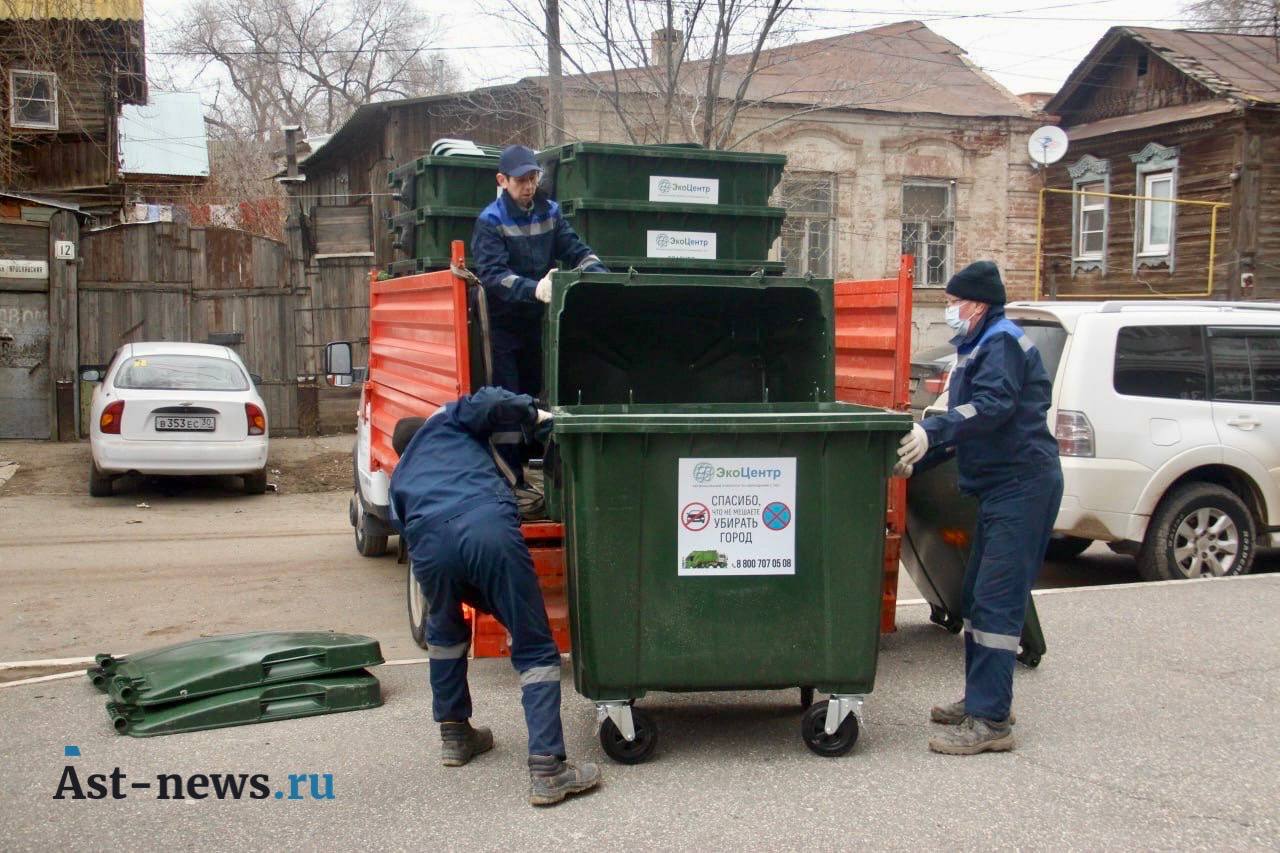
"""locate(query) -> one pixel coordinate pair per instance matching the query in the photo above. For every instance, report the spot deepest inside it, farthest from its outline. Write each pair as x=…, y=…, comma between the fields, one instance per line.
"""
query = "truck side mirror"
x=337, y=364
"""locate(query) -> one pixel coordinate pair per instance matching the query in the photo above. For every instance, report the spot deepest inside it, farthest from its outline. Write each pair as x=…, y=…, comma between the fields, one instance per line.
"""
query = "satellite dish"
x=1047, y=145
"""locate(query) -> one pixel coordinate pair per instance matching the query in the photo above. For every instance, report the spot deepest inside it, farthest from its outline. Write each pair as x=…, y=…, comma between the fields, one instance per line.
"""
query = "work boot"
x=973, y=735
x=552, y=779
x=459, y=743
x=952, y=713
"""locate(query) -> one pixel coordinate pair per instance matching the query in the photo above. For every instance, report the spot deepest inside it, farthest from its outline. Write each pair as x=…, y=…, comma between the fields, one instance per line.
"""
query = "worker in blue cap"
x=458, y=518
x=995, y=426
x=517, y=241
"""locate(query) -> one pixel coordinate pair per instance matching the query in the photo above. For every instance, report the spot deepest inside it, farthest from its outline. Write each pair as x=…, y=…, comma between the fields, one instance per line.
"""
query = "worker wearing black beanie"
x=995, y=427
x=980, y=281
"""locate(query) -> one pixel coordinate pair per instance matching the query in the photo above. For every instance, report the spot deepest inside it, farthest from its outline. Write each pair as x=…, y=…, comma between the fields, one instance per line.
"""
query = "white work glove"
x=903, y=470
x=913, y=446
x=543, y=415
x=543, y=291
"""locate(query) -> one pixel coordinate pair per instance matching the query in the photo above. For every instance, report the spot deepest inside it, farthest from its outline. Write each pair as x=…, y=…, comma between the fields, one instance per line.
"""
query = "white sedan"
x=168, y=408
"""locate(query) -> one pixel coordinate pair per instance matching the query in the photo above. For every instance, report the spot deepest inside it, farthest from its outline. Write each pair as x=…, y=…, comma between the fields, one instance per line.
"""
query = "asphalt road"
x=1152, y=721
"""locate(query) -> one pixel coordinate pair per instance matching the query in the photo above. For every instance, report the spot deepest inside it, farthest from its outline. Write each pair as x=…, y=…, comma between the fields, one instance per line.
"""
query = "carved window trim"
x=1154, y=159
x=1087, y=171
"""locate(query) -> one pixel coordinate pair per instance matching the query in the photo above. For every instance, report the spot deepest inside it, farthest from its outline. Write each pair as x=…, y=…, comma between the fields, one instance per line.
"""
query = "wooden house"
x=69, y=68
x=1152, y=114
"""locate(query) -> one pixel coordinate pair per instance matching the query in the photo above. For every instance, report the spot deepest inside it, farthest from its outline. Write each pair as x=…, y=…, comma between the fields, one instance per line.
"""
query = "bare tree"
x=308, y=62
x=688, y=70
x=1246, y=17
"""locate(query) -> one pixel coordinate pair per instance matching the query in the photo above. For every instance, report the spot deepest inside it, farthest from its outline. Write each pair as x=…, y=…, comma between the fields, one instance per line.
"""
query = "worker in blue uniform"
x=516, y=243
x=995, y=425
x=458, y=517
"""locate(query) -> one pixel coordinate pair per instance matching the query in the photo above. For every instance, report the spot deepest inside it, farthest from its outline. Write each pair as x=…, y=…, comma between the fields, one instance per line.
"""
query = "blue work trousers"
x=517, y=366
x=480, y=558
x=1015, y=520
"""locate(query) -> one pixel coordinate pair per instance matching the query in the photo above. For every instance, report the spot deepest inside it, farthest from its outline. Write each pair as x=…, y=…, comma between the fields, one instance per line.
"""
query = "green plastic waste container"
x=446, y=182
x=429, y=232
x=725, y=547
x=676, y=232
x=661, y=173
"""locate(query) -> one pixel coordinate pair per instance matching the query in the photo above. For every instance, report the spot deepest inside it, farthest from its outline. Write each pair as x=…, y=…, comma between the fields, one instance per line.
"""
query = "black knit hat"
x=980, y=281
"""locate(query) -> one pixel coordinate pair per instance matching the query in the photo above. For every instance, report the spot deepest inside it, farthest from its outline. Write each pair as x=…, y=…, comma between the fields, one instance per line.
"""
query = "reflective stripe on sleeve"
x=510, y=281
x=999, y=642
x=540, y=675
x=967, y=410
x=507, y=438
x=448, y=652
x=1026, y=344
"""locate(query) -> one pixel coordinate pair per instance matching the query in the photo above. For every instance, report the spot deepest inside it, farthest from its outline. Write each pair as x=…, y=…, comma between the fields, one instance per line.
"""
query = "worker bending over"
x=995, y=425
x=517, y=241
x=458, y=517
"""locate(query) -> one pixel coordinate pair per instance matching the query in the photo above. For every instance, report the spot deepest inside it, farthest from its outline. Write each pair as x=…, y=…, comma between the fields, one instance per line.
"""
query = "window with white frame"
x=808, y=232
x=928, y=228
x=1157, y=216
x=1090, y=213
x=1155, y=232
x=1091, y=230
x=33, y=99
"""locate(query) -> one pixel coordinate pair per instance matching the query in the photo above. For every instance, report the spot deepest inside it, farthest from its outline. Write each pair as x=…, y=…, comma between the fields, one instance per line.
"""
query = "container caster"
x=806, y=697
x=830, y=728
x=619, y=721
x=1028, y=659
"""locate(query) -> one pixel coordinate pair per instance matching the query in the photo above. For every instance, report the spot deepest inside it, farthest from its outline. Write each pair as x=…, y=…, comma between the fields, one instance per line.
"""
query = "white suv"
x=1167, y=415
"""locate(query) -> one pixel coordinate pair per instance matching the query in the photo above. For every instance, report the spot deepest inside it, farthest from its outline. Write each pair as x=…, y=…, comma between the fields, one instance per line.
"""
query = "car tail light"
x=257, y=420
x=112, y=415
x=1074, y=434
x=937, y=384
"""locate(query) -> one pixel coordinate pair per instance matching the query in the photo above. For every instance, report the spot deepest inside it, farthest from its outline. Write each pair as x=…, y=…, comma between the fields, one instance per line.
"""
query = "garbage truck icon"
x=706, y=560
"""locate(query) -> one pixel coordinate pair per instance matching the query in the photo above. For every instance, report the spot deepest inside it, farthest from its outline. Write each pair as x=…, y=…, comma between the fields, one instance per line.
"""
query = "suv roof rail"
x=1116, y=306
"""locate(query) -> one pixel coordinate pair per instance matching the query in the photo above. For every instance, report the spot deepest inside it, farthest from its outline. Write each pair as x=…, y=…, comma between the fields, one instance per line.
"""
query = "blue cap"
x=517, y=161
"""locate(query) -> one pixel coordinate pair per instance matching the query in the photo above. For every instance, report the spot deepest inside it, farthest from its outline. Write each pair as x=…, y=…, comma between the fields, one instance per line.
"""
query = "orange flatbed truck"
x=428, y=346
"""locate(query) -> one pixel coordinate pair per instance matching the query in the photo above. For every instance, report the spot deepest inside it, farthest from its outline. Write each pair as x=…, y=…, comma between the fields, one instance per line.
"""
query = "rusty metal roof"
x=1240, y=67
x=898, y=68
x=1149, y=119
x=71, y=10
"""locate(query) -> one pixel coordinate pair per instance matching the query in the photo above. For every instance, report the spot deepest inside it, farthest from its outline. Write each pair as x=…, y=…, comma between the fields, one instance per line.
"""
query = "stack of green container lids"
x=669, y=208
x=442, y=196
x=238, y=679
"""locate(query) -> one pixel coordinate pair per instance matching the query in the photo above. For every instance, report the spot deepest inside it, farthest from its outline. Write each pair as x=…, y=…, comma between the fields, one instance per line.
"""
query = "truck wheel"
x=1199, y=530
x=367, y=543
x=417, y=610
x=99, y=483
x=1066, y=547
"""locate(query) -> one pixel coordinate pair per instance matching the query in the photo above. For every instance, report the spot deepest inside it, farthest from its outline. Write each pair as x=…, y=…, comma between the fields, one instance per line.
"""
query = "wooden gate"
x=165, y=281
x=24, y=331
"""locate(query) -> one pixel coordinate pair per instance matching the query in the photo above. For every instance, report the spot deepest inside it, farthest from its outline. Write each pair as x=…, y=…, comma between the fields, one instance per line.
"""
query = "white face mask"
x=952, y=318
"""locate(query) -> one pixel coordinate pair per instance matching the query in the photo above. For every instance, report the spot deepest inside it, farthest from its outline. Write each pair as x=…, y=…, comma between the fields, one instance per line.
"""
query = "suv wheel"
x=1199, y=530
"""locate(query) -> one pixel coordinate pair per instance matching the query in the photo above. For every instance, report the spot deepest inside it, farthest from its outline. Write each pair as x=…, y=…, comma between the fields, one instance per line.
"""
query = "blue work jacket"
x=447, y=468
x=997, y=406
x=513, y=248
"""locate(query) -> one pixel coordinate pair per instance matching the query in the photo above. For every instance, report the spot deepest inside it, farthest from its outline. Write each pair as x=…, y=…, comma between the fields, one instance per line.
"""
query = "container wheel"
x=806, y=697
x=813, y=728
x=630, y=752
x=1028, y=659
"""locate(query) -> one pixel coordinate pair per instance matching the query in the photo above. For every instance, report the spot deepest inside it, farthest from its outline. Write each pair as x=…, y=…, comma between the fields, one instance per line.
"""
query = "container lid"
x=573, y=205
x=664, y=152
x=620, y=263
x=425, y=213
x=456, y=161
x=728, y=418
